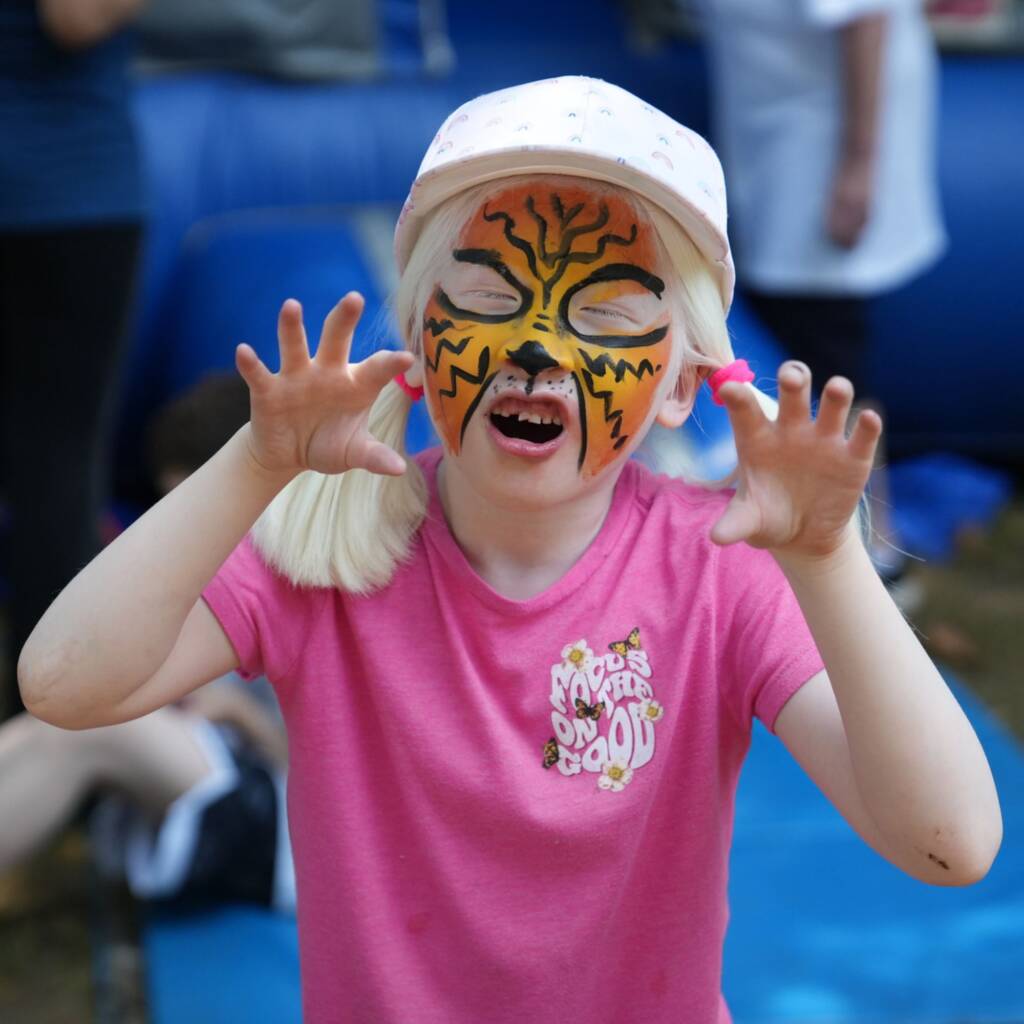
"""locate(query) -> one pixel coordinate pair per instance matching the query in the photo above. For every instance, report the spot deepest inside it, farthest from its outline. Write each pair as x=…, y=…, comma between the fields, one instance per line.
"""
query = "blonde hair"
x=353, y=530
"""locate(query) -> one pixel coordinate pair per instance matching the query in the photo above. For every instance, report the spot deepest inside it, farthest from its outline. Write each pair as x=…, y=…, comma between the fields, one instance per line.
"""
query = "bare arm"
x=862, y=48
x=76, y=24
x=889, y=740
x=891, y=745
x=116, y=623
x=130, y=633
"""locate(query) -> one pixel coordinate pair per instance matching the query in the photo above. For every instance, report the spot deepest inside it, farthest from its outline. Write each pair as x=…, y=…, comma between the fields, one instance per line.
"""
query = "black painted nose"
x=532, y=357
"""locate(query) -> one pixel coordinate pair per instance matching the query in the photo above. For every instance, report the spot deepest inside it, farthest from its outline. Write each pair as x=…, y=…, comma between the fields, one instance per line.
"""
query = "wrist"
x=848, y=551
x=270, y=478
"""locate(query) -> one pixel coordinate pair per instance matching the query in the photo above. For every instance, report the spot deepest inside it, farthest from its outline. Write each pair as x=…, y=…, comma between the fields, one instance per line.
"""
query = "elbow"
x=968, y=861
x=978, y=864
x=44, y=695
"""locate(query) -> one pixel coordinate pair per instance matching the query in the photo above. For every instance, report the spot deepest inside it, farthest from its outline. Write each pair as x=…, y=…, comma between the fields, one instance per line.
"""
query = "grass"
x=972, y=618
x=45, y=964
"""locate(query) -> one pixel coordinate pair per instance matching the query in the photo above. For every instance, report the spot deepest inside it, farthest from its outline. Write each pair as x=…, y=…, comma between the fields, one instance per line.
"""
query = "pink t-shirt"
x=508, y=811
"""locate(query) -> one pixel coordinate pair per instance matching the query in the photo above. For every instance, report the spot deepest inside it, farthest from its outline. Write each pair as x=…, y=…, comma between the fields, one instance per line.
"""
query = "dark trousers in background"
x=828, y=333
x=64, y=299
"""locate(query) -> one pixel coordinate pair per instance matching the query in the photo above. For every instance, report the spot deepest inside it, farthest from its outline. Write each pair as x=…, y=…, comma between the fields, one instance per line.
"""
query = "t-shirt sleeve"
x=264, y=615
x=767, y=651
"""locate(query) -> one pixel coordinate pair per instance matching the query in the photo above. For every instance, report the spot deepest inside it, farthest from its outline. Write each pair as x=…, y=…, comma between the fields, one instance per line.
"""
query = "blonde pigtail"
x=349, y=530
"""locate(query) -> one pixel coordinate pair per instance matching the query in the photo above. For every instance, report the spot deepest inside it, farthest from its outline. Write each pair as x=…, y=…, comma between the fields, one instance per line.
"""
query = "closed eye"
x=475, y=290
x=623, y=313
x=483, y=293
x=609, y=313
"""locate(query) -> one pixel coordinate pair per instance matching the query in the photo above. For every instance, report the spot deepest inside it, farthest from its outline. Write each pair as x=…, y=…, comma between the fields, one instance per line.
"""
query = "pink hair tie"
x=414, y=393
x=737, y=370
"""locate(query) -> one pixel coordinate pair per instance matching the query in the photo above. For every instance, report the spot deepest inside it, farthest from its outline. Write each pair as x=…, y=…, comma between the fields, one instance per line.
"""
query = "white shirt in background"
x=776, y=71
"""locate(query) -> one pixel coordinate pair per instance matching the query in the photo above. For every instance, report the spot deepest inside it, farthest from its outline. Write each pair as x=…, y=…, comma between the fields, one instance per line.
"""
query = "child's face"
x=548, y=331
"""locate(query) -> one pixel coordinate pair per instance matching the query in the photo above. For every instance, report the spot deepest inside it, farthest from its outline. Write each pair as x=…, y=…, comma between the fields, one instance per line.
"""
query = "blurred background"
x=171, y=170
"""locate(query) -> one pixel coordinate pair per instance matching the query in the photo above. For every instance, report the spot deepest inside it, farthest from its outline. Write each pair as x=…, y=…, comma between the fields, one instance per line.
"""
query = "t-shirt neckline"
x=437, y=533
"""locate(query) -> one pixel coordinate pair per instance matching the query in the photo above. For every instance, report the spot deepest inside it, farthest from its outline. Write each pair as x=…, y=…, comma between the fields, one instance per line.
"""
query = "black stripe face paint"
x=544, y=285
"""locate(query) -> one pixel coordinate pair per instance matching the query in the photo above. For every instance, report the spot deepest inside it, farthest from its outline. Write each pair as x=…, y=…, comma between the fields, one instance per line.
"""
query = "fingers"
x=864, y=438
x=375, y=371
x=794, y=394
x=339, y=326
x=834, y=409
x=291, y=337
x=249, y=365
x=744, y=412
x=740, y=520
x=366, y=452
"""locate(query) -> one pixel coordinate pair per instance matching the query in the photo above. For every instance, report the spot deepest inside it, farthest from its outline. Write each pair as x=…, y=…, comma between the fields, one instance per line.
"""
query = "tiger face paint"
x=550, y=303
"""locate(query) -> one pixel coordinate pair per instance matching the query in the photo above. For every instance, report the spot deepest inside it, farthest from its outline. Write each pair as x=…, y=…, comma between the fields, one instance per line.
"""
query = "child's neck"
x=520, y=563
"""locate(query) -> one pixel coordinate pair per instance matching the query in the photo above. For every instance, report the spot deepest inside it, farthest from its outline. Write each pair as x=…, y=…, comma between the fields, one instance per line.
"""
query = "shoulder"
x=268, y=619
x=249, y=575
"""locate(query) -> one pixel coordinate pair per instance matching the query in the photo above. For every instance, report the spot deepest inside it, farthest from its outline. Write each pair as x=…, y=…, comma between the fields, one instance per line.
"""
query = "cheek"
x=619, y=400
x=458, y=364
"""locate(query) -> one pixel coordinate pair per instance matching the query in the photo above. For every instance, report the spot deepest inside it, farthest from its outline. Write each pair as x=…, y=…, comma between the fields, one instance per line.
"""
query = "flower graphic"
x=650, y=710
x=577, y=654
x=615, y=776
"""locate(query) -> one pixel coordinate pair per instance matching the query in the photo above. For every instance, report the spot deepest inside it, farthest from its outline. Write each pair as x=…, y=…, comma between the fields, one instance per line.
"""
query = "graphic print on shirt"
x=603, y=712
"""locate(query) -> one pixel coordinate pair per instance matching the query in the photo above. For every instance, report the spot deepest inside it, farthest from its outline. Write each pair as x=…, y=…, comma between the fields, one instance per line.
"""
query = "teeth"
x=525, y=415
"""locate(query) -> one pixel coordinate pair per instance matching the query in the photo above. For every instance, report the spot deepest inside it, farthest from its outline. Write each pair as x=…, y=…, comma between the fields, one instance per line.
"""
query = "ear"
x=677, y=405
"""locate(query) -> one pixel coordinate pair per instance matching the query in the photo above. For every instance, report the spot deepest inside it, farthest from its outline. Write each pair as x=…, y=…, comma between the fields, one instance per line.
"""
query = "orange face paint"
x=564, y=277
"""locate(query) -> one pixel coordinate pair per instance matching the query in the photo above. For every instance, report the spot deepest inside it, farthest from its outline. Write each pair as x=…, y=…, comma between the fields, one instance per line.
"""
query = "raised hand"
x=313, y=413
x=799, y=479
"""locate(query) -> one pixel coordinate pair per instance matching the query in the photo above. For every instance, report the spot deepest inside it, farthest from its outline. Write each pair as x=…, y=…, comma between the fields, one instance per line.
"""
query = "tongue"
x=524, y=430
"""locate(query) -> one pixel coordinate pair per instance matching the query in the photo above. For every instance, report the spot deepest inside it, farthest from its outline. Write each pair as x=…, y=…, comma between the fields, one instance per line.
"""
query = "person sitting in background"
x=192, y=805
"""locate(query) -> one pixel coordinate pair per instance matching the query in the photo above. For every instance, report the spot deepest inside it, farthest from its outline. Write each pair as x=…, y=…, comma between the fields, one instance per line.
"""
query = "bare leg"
x=45, y=772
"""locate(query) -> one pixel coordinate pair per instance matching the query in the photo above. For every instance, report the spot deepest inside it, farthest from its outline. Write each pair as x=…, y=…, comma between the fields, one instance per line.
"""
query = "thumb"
x=740, y=520
x=366, y=452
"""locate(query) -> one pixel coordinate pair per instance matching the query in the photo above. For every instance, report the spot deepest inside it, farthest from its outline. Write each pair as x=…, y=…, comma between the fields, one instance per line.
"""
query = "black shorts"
x=234, y=854
x=223, y=841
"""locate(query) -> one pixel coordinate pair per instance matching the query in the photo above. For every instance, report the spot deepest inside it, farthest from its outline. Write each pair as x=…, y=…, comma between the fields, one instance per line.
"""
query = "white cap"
x=584, y=127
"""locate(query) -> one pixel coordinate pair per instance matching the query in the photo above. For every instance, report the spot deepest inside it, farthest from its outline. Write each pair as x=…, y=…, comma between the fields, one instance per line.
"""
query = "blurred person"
x=71, y=218
x=192, y=795
x=825, y=115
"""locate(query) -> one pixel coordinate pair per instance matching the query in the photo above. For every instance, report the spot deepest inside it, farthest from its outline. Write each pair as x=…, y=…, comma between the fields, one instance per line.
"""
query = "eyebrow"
x=490, y=258
x=623, y=272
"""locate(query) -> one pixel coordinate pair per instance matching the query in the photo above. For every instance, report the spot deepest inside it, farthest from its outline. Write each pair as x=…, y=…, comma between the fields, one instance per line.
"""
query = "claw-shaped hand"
x=313, y=413
x=799, y=479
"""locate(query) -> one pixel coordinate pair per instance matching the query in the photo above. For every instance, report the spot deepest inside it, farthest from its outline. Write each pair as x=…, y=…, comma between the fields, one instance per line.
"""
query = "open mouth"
x=533, y=423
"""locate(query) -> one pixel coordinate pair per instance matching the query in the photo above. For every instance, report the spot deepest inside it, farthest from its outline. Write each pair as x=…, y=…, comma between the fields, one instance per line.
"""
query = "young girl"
x=519, y=672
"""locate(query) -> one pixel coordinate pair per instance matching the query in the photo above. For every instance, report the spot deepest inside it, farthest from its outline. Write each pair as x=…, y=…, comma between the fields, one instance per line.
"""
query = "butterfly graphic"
x=631, y=643
x=550, y=752
x=585, y=710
